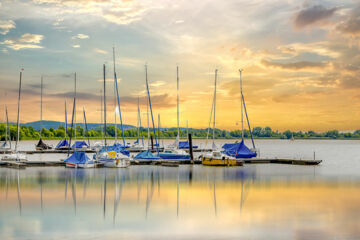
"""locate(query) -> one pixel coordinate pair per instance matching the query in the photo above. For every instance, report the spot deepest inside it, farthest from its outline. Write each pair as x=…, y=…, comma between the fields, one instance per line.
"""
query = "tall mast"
x=41, y=98
x=7, y=125
x=152, y=117
x=177, y=103
x=115, y=125
x=104, y=109
x=101, y=114
x=65, y=121
x=214, y=107
x=187, y=128
x=18, y=115
x=158, y=132
x=147, y=114
x=138, y=122
x=75, y=105
x=241, y=98
x=139, y=116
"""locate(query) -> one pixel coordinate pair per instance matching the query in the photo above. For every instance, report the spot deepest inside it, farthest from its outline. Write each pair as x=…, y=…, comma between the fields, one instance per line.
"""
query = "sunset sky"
x=301, y=59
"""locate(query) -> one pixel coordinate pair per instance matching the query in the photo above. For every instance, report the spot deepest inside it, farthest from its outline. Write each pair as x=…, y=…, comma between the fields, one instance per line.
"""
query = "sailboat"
x=239, y=149
x=41, y=145
x=173, y=152
x=137, y=146
x=6, y=145
x=78, y=145
x=215, y=157
x=186, y=144
x=77, y=159
x=16, y=155
x=111, y=156
x=64, y=144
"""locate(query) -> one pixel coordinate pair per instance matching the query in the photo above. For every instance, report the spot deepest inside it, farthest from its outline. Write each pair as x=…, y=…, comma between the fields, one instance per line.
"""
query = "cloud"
x=157, y=84
x=6, y=25
x=312, y=15
x=27, y=40
x=119, y=12
x=80, y=36
x=295, y=65
x=351, y=25
x=76, y=46
x=100, y=51
x=31, y=38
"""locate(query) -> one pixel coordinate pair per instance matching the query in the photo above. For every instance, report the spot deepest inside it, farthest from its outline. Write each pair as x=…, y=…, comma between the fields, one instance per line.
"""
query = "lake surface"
x=263, y=201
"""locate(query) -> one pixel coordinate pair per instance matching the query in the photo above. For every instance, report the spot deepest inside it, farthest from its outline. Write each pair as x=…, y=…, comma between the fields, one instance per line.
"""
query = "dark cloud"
x=295, y=65
x=350, y=82
x=352, y=24
x=312, y=15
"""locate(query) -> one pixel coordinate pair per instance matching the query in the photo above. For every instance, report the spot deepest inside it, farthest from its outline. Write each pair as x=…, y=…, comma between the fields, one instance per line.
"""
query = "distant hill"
x=54, y=124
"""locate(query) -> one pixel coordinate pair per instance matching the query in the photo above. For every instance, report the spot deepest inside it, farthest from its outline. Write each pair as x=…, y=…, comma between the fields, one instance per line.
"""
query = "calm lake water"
x=264, y=201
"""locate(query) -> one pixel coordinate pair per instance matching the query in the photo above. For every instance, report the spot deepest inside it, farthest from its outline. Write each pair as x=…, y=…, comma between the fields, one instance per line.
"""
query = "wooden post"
x=190, y=147
x=152, y=142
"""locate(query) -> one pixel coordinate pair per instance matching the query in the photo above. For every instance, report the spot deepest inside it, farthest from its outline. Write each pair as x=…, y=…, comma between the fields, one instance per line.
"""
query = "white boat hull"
x=82, y=165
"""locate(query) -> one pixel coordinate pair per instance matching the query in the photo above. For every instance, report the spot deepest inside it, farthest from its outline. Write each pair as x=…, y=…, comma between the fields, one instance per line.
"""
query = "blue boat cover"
x=79, y=144
x=238, y=150
x=78, y=158
x=117, y=147
x=174, y=156
x=62, y=143
x=146, y=155
x=185, y=145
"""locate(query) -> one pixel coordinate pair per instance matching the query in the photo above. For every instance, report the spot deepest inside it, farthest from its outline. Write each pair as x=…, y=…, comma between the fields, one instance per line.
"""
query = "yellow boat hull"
x=219, y=162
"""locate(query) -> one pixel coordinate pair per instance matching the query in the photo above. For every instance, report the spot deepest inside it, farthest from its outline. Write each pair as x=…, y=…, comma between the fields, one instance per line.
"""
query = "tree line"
x=28, y=133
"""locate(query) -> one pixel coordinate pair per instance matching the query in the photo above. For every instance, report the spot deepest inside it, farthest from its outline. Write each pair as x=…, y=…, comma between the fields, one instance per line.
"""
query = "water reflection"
x=185, y=202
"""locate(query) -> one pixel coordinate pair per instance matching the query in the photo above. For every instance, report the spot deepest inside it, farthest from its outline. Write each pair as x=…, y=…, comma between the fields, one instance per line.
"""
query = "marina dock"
x=166, y=163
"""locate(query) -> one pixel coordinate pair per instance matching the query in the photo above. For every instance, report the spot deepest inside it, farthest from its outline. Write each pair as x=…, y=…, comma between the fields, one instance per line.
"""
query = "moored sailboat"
x=16, y=155
x=239, y=149
x=174, y=152
x=41, y=145
x=215, y=157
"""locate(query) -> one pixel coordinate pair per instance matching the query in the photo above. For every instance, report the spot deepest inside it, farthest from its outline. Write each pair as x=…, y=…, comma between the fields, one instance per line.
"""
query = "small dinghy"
x=145, y=157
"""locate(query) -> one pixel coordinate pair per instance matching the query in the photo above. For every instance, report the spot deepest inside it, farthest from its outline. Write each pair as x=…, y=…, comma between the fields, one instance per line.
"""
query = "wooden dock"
x=166, y=163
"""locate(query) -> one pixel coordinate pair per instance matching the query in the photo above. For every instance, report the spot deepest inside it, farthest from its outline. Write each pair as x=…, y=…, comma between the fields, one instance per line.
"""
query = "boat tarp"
x=78, y=158
x=117, y=147
x=62, y=143
x=42, y=145
x=174, y=156
x=238, y=150
x=146, y=155
x=80, y=144
x=185, y=145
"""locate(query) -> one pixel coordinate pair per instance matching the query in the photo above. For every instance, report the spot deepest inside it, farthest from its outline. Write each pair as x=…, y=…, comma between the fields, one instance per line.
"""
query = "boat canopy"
x=62, y=143
x=146, y=155
x=117, y=147
x=42, y=145
x=238, y=150
x=77, y=158
x=80, y=144
x=185, y=145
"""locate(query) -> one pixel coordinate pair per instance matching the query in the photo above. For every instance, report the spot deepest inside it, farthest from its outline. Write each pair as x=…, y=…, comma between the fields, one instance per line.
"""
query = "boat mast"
x=41, y=98
x=7, y=124
x=138, y=124
x=242, y=115
x=152, y=117
x=101, y=116
x=147, y=114
x=18, y=115
x=214, y=108
x=75, y=105
x=104, y=108
x=177, y=103
x=115, y=125
x=139, y=117
x=159, y=128
x=65, y=121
